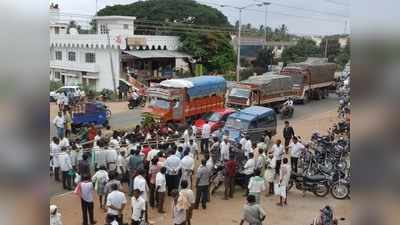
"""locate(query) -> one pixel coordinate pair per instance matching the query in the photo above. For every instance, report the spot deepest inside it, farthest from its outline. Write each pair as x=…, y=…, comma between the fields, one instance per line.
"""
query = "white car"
x=76, y=90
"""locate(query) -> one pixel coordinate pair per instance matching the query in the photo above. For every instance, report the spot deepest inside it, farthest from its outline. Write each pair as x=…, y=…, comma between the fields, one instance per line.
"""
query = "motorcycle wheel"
x=340, y=190
x=322, y=190
x=341, y=165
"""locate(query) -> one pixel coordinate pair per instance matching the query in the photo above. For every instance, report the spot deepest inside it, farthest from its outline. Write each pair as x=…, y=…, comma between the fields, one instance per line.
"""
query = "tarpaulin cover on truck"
x=320, y=70
x=198, y=86
x=270, y=82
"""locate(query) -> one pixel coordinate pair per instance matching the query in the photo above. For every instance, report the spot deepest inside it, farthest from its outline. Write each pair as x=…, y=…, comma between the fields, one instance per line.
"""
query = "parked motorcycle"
x=317, y=184
x=340, y=189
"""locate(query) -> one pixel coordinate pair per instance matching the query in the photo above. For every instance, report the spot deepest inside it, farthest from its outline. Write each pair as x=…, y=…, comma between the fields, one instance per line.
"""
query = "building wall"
x=170, y=42
x=116, y=27
x=100, y=69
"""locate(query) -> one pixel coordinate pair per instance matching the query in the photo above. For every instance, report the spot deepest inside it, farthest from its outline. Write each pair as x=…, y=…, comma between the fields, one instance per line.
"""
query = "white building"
x=91, y=59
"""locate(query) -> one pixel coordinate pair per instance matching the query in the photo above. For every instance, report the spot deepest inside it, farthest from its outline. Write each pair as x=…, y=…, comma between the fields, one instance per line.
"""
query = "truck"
x=312, y=79
x=269, y=89
x=179, y=100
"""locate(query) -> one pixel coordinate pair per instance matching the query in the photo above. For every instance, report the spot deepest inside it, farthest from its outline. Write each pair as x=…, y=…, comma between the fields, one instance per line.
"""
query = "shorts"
x=280, y=190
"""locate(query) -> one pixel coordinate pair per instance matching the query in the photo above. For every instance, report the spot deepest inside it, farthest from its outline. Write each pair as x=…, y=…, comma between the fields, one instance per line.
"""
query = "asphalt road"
x=132, y=117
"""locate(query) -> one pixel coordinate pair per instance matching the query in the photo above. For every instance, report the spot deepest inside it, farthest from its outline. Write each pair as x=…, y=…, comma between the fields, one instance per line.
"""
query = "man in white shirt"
x=116, y=202
x=65, y=166
x=64, y=142
x=140, y=183
x=295, y=151
x=152, y=153
x=100, y=156
x=187, y=166
x=256, y=185
x=248, y=146
x=111, y=158
x=205, y=136
x=173, y=165
x=193, y=149
x=224, y=148
x=277, y=151
x=186, y=136
x=55, y=150
x=161, y=188
x=86, y=194
x=138, y=208
x=249, y=169
x=59, y=122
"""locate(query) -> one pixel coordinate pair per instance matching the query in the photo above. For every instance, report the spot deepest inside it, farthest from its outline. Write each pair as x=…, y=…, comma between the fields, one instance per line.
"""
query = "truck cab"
x=165, y=104
x=255, y=121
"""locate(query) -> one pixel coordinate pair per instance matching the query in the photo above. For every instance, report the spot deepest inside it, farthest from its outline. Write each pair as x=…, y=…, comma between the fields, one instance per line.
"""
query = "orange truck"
x=177, y=100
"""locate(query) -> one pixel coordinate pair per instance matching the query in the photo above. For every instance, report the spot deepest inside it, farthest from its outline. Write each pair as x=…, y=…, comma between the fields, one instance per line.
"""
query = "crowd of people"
x=187, y=164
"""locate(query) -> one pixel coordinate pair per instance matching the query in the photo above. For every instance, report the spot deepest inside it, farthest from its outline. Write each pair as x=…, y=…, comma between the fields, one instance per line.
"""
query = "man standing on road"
x=59, y=123
x=224, y=150
x=277, y=151
x=205, y=136
x=116, y=202
x=284, y=177
x=85, y=191
x=173, y=165
x=187, y=167
x=55, y=150
x=229, y=178
x=135, y=164
x=202, y=182
x=84, y=166
x=288, y=133
x=295, y=151
x=252, y=212
x=66, y=167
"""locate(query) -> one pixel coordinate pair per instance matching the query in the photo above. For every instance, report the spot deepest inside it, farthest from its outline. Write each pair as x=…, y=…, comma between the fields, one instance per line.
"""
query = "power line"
x=305, y=9
x=338, y=3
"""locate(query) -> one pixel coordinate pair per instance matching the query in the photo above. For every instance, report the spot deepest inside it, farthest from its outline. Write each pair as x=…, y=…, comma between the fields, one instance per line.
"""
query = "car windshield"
x=237, y=123
x=241, y=93
x=159, y=103
x=214, y=117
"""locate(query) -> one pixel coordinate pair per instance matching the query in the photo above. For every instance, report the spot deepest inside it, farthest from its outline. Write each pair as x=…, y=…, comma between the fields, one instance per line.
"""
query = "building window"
x=58, y=55
x=71, y=56
x=103, y=29
x=57, y=75
x=56, y=30
x=84, y=73
x=126, y=26
x=90, y=57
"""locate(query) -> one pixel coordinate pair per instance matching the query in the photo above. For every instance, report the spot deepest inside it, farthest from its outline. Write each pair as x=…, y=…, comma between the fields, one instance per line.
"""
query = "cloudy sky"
x=303, y=17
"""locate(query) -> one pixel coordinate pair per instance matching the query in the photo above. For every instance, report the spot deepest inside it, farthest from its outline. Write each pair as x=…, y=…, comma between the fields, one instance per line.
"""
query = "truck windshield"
x=241, y=93
x=237, y=123
x=159, y=103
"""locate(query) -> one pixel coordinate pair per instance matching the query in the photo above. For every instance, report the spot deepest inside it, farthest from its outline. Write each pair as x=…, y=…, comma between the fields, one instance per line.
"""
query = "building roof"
x=114, y=18
x=147, y=54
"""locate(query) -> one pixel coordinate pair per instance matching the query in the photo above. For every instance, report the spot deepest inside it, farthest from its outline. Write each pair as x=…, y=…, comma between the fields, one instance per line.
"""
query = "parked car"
x=254, y=121
x=74, y=89
x=216, y=119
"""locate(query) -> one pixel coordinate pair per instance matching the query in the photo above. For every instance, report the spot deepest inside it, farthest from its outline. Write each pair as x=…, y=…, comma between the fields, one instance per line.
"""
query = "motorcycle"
x=341, y=188
x=287, y=112
x=317, y=184
x=132, y=103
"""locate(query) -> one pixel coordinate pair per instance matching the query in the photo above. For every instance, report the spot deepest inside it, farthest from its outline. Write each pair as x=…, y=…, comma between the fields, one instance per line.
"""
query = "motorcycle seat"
x=315, y=178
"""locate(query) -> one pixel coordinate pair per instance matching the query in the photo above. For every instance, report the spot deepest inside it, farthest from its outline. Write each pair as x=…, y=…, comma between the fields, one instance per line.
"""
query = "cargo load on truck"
x=319, y=69
x=267, y=89
x=270, y=82
x=312, y=78
x=198, y=86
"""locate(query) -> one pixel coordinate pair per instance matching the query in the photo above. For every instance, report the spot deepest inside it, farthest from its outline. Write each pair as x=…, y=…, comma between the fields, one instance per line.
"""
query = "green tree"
x=344, y=56
x=212, y=49
x=264, y=58
x=301, y=51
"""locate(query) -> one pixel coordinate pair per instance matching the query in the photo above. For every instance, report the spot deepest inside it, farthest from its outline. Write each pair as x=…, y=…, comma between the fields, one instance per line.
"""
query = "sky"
x=302, y=17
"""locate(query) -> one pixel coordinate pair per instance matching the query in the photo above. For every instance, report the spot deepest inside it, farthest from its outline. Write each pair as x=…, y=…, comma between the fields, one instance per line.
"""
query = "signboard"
x=136, y=41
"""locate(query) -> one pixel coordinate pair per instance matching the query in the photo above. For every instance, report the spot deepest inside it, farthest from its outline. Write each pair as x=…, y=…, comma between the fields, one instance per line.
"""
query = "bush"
x=54, y=85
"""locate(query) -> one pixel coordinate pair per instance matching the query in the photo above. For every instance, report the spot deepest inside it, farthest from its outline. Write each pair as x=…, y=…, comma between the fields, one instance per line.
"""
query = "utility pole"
x=111, y=62
x=238, y=46
x=326, y=47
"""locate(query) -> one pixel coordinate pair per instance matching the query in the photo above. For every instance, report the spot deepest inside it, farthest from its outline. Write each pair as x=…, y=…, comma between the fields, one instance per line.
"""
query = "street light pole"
x=266, y=16
x=238, y=46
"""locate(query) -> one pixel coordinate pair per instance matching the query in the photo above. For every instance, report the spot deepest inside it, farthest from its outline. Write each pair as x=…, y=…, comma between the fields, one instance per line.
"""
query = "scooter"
x=317, y=184
x=286, y=112
x=135, y=103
